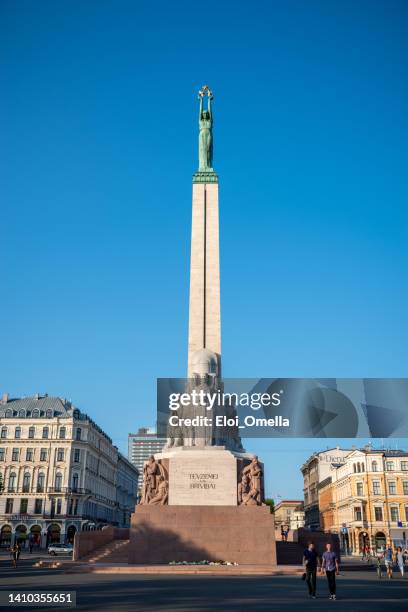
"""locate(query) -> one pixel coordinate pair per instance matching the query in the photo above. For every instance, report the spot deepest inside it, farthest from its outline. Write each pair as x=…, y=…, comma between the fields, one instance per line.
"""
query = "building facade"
x=315, y=470
x=290, y=513
x=60, y=473
x=365, y=500
x=141, y=446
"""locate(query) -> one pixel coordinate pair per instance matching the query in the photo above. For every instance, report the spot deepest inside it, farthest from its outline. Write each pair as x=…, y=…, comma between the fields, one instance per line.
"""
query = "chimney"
x=5, y=398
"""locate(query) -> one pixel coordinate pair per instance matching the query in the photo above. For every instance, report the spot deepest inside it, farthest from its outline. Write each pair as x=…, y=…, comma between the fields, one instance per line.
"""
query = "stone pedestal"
x=240, y=534
x=202, y=519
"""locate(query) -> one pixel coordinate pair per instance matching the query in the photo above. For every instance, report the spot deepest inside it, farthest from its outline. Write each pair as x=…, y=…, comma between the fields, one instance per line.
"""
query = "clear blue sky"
x=98, y=118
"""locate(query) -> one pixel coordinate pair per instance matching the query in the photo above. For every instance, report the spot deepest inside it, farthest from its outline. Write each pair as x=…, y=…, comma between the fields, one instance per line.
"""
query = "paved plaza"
x=357, y=591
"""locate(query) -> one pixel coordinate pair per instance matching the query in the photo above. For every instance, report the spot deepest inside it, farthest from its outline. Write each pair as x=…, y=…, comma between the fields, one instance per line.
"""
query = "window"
x=58, y=482
x=374, y=466
x=3, y=432
x=31, y=432
x=354, y=467
x=77, y=455
x=26, y=482
x=9, y=505
x=75, y=482
x=60, y=454
x=45, y=432
x=12, y=482
x=38, y=506
x=376, y=487
x=29, y=454
x=394, y=514
x=404, y=466
x=59, y=504
x=23, y=506
x=357, y=514
x=405, y=487
x=362, y=467
x=392, y=488
x=43, y=454
x=378, y=513
x=62, y=433
x=17, y=433
x=15, y=454
x=78, y=434
x=406, y=513
x=360, y=488
x=40, y=482
x=2, y=454
x=389, y=465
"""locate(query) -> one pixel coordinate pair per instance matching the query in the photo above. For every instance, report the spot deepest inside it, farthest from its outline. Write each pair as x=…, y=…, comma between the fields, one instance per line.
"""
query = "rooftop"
x=43, y=407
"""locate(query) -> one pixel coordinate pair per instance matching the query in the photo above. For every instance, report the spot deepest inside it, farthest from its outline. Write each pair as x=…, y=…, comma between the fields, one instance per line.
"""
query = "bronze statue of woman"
x=205, y=142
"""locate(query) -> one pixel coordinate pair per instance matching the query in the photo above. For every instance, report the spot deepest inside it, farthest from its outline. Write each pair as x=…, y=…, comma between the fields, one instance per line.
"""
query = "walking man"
x=330, y=565
x=14, y=555
x=311, y=561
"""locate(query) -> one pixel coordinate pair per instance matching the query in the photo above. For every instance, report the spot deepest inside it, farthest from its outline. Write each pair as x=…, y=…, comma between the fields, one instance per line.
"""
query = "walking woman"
x=399, y=557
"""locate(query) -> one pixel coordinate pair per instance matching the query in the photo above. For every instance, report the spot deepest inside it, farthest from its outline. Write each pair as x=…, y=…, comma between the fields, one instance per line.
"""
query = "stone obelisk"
x=204, y=336
x=203, y=494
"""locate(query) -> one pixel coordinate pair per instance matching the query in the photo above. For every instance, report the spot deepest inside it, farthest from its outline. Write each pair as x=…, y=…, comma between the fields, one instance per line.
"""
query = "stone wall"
x=319, y=539
x=87, y=541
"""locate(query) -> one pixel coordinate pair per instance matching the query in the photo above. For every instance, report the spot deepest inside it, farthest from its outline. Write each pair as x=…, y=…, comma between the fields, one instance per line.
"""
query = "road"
x=358, y=591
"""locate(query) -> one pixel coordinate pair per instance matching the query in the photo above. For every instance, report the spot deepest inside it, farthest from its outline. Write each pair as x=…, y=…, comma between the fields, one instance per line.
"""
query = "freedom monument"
x=203, y=495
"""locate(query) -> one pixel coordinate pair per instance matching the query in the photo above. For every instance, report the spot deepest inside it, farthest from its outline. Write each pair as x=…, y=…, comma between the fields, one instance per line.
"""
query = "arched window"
x=12, y=482
x=17, y=432
x=362, y=467
x=41, y=482
x=36, y=413
x=78, y=433
x=3, y=432
x=22, y=413
x=374, y=466
x=49, y=413
x=358, y=467
x=58, y=482
x=31, y=432
x=45, y=432
x=26, y=482
x=62, y=433
x=75, y=479
x=9, y=414
x=354, y=467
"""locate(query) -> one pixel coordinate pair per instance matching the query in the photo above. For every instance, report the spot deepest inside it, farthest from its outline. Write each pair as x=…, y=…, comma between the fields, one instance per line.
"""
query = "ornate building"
x=315, y=471
x=366, y=499
x=60, y=473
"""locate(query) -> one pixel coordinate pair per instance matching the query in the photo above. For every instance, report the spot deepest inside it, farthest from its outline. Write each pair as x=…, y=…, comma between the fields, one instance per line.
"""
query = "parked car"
x=60, y=549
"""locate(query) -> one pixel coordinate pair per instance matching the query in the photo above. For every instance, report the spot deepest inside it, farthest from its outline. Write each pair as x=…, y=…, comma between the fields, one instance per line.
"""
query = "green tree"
x=271, y=504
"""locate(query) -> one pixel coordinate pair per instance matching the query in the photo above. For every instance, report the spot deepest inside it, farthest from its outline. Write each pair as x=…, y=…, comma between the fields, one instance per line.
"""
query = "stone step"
x=103, y=552
x=208, y=570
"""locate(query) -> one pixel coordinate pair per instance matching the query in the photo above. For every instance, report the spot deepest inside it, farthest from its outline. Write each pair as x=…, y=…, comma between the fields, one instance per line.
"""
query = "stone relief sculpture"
x=155, y=483
x=250, y=485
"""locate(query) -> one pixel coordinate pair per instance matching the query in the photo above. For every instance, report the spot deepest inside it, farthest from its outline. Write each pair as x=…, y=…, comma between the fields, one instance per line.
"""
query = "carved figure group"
x=155, y=483
x=250, y=485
